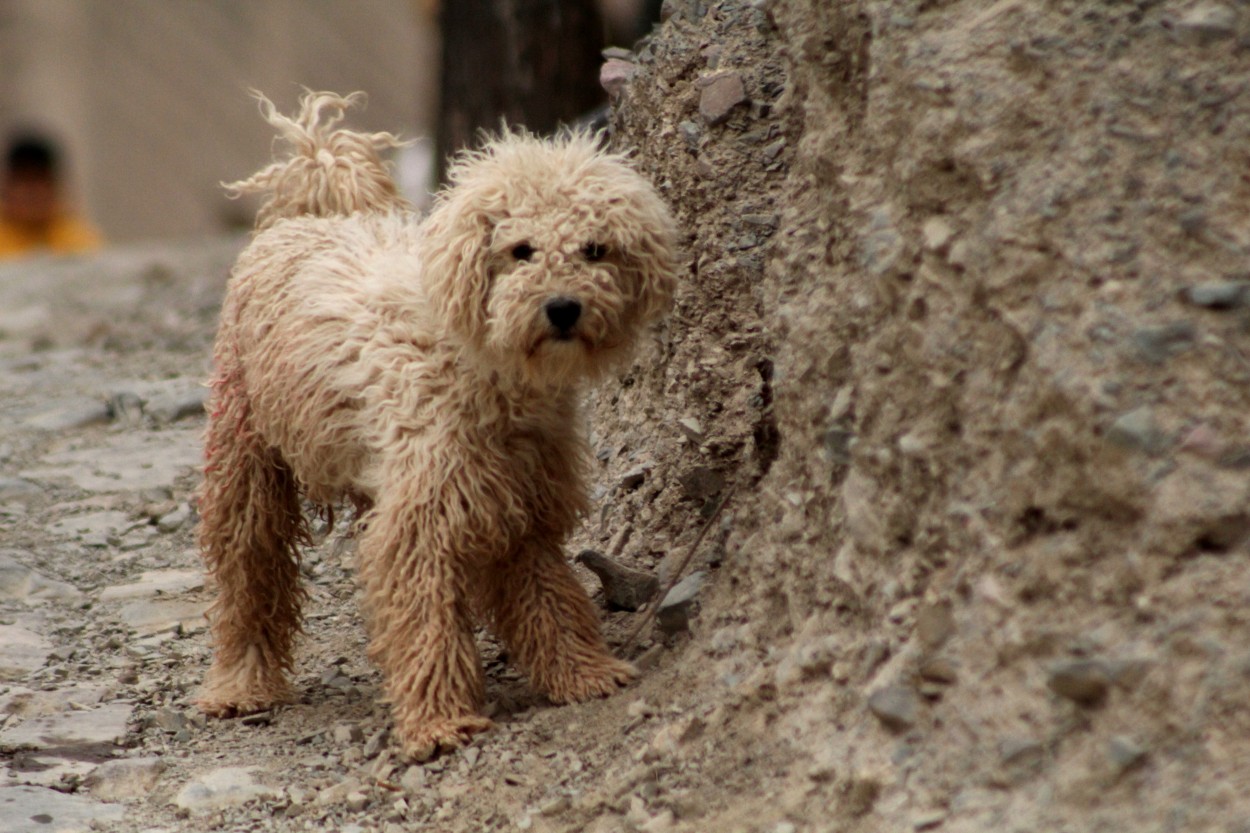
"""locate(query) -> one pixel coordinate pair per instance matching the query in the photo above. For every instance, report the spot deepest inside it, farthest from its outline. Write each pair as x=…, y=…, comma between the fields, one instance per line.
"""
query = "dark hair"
x=32, y=155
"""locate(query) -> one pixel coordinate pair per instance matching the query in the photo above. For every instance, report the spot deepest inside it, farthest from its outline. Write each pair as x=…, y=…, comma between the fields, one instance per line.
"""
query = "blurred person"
x=34, y=217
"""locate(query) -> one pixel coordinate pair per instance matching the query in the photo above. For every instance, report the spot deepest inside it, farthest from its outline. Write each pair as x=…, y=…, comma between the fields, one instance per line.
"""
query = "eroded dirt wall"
x=985, y=405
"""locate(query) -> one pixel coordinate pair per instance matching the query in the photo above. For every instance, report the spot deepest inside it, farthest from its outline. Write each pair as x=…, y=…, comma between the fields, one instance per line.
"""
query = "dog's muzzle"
x=563, y=313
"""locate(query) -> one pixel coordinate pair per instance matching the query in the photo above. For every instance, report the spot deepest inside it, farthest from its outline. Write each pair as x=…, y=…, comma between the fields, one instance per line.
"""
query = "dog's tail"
x=329, y=171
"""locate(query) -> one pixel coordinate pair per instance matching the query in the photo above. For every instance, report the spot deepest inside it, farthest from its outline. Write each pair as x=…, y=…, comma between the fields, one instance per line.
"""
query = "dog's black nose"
x=563, y=313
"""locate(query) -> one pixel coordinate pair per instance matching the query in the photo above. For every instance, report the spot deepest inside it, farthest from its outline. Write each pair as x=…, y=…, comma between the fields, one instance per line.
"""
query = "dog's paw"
x=435, y=737
x=236, y=695
x=590, y=680
x=214, y=706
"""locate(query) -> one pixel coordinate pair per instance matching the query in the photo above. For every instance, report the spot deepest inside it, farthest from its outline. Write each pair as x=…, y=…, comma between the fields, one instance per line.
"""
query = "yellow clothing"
x=65, y=235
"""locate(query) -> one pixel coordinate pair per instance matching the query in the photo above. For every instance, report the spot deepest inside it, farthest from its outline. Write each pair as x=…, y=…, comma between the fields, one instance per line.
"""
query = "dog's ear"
x=650, y=249
x=455, y=254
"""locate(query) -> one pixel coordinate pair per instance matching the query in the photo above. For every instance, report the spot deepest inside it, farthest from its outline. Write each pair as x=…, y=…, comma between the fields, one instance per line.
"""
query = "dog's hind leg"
x=545, y=616
x=250, y=526
x=421, y=631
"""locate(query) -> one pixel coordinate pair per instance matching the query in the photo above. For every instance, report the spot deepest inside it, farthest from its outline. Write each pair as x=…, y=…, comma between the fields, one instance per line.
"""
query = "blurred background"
x=148, y=100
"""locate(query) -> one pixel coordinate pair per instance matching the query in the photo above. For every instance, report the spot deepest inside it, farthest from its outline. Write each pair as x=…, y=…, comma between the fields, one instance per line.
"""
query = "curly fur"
x=420, y=371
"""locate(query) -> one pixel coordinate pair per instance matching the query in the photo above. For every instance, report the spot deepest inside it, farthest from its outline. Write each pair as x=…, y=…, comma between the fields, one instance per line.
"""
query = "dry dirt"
x=963, y=345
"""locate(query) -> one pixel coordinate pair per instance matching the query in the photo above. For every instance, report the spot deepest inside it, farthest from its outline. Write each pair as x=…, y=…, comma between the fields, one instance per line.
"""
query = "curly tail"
x=329, y=172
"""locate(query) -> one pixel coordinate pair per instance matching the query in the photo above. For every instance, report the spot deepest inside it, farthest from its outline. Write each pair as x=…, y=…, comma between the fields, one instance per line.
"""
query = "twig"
x=651, y=611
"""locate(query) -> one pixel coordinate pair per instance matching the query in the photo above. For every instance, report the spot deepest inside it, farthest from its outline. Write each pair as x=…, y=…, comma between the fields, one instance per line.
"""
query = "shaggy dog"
x=427, y=372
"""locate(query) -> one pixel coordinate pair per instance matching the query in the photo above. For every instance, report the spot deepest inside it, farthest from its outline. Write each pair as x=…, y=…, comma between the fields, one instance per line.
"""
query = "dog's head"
x=547, y=257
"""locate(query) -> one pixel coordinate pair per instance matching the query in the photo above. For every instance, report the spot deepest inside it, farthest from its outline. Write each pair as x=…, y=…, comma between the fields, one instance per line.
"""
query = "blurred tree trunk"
x=532, y=62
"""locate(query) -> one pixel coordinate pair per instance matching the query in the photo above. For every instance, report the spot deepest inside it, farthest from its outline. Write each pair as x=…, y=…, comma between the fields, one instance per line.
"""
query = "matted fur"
x=418, y=370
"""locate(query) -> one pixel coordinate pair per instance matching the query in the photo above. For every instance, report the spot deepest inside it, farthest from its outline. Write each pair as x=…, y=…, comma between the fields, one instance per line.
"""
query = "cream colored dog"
x=429, y=373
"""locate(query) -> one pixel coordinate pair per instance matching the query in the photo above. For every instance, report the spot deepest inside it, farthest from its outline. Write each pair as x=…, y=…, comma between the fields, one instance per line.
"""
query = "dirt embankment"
x=995, y=576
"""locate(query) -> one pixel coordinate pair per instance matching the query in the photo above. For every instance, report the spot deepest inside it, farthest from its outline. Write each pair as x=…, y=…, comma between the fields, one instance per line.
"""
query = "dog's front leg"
x=545, y=616
x=421, y=628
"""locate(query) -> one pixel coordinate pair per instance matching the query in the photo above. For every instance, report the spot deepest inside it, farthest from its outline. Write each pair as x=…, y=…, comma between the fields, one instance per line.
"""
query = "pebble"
x=691, y=428
x=773, y=149
x=125, y=778
x=1082, y=681
x=934, y=625
x=1156, y=345
x=673, y=614
x=691, y=132
x=615, y=75
x=702, y=482
x=1137, y=431
x=1015, y=751
x=348, y=733
x=175, y=520
x=633, y=478
x=721, y=93
x=936, y=234
x=938, y=670
x=1125, y=753
x=223, y=787
x=126, y=408
x=896, y=706
x=1222, y=295
x=168, y=408
x=1206, y=23
x=623, y=588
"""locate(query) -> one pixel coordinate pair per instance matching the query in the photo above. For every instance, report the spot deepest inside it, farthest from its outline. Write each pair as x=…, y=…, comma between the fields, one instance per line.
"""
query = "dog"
x=428, y=372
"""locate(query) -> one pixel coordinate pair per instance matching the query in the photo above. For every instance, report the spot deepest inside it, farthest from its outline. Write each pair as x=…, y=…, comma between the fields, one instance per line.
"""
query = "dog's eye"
x=594, y=251
x=522, y=251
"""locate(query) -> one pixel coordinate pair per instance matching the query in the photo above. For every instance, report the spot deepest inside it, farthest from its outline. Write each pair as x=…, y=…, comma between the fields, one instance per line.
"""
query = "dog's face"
x=548, y=257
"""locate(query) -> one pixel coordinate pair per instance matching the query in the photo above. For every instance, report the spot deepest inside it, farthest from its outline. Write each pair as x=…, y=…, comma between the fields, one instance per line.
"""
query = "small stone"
x=673, y=614
x=721, y=94
x=1206, y=23
x=691, y=428
x=170, y=720
x=1082, y=681
x=125, y=778
x=937, y=233
x=1156, y=345
x=691, y=132
x=1221, y=295
x=376, y=743
x=702, y=482
x=633, y=478
x=896, y=706
x=1125, y=753
x=939, y=670
x=126, y=408
x=773, y=149
x=175, y=520
x=929, y=820
x=414, y=779
x=1020, y=751
x=348, y=733
x=623, y=588
x=22, y=583
x=166, y=409
x=615, y=75
x=934, y=625
x=1137, y=431
x=618, y=52
x=223, y=787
